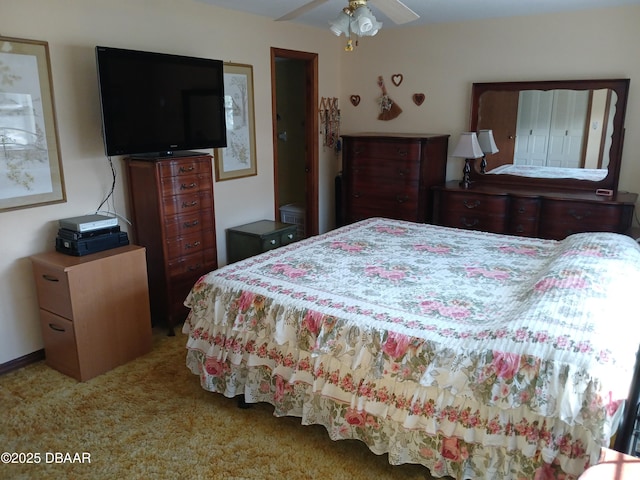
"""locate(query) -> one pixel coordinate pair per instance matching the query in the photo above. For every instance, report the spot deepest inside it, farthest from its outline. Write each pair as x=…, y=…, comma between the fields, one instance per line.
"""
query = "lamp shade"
x=486, y=141
x=340, y=25
x=468, y=146
x=364, y=23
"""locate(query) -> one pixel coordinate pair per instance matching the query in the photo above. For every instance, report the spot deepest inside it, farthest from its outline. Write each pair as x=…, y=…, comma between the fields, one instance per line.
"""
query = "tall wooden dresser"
x=173, y=217
x=391, y=175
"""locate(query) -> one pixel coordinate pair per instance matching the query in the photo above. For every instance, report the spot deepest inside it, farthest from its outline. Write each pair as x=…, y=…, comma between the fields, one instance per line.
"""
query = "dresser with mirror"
x=557, y=169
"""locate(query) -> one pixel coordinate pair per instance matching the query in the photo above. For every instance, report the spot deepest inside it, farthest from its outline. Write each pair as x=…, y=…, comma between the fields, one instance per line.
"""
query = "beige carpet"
x=150, y=419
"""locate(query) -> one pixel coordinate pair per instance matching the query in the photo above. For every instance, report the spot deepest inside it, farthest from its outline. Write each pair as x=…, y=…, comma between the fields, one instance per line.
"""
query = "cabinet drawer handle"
x=194, y=245
x=290, y=236
x=189, y=225
x=190, y=168
x=188, y=187
x=469, y=224
x=469, y=204
x=50, y=278
x=578, y=215
x=193, y=268
x=519, y=229
x=522, y=210
x=356, y=194
x=403, y=172
x=401, y=199
x=273, y=241
x=187, y=205
x=402, y=153
x=57, y=328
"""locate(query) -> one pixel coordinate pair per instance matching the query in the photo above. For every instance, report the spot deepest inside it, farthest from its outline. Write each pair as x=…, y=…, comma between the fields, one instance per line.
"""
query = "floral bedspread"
x=477, y=355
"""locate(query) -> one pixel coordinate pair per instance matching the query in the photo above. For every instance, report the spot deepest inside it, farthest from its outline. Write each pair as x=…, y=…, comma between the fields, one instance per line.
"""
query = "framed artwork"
x=30, y=164
x=238, y=159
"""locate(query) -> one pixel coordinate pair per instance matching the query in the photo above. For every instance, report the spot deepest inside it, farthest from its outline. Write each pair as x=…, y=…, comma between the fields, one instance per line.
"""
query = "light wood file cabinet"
x=94, y=310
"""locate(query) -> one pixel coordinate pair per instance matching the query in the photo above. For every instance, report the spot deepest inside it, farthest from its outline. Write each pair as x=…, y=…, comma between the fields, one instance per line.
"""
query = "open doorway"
x=294, y=93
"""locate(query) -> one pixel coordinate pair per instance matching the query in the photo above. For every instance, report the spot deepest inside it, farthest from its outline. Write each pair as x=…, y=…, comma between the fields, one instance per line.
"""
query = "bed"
x=477, y=355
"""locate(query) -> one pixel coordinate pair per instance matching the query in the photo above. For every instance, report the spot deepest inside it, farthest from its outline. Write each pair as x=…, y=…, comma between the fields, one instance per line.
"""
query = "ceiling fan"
x=357, y=18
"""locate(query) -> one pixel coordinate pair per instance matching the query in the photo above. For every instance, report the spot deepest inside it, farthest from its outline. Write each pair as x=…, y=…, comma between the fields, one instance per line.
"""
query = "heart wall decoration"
x=418, y=98
x=355, y=100
x=397, y=79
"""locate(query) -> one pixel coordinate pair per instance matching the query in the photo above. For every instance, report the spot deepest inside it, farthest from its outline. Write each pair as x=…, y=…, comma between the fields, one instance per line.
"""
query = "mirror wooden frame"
x=610, y=182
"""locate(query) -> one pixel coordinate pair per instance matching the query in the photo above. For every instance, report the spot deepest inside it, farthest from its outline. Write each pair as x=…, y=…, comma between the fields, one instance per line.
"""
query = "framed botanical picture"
x=30, y=164
x=238, y=159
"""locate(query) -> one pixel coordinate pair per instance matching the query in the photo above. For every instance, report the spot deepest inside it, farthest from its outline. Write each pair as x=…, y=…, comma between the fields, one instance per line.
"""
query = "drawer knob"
x=522, y=210
x=188, y=187
x=578, y=215
x=194, y=245
x=469, y=224
x=273, y=241
x=50, y=278
x=290, y=236
x=190, y=168
x=402, y=153
x=187, y=205
x=401, y=199
x=470, y=204
x=190, y=224
x=356, y=194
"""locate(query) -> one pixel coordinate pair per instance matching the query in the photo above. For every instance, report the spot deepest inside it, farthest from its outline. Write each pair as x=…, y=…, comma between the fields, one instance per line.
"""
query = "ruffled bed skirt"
x=449, y=436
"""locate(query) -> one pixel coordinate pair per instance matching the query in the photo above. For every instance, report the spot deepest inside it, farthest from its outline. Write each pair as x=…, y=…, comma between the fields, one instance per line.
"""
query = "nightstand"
x=251, y=239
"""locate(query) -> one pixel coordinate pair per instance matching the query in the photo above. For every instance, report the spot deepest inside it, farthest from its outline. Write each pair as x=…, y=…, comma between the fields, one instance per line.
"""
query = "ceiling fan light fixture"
x=340, y=25
x=363, y=22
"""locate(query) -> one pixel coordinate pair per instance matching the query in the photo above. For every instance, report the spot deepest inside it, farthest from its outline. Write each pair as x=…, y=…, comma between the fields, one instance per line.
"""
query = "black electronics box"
x=92, y=244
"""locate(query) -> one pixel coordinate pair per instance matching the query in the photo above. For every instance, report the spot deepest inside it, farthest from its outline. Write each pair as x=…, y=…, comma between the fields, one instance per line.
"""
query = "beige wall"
x=441, y=61
x=73, y=28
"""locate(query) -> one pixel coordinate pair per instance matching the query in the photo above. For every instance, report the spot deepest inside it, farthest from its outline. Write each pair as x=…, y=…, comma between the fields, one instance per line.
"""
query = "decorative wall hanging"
x=355, y=100
x=397, y=79
x=329, y=121
x=238, y=159
x=388, y=108
x=29, y=152
x=418, y=98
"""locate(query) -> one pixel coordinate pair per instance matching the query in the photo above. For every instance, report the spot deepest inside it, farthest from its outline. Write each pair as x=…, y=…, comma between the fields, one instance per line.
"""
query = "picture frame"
x=238, y=159
x=30, y=163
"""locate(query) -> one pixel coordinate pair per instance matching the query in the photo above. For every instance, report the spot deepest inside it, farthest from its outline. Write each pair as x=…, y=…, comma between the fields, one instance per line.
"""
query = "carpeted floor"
x=150, y=419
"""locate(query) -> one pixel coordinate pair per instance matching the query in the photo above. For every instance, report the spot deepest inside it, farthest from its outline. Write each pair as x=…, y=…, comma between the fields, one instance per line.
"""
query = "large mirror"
x=561, y=134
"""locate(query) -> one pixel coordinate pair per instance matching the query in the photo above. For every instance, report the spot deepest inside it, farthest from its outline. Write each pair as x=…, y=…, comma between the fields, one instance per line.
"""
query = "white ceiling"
x=430, y=11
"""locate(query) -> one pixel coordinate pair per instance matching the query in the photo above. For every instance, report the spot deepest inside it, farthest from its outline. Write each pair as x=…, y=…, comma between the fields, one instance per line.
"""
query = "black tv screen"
x=155, y=103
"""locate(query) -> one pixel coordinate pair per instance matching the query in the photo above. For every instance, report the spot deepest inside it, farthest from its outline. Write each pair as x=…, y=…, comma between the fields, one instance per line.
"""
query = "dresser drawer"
x=184, y=166
x=185, y=184
x=384, y=202
x=474, y=211
x=178, y=225
x=60, y=340
x=192, y=266
x=192, y=243
x=523, y=216
x=187, y=203
x=52, y=285
x=369, y=169
x=382, y=149
x=562, y=218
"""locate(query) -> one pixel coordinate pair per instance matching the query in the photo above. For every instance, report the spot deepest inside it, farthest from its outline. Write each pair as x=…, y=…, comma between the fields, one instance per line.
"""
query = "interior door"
x=294, y=99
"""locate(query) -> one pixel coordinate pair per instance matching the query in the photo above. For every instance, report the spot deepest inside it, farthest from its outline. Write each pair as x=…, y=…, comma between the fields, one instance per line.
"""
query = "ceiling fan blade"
x=397, y=11
x=301, y=10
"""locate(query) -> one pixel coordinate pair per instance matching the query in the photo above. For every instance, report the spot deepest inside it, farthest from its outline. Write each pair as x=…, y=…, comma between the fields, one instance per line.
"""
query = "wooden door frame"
x=311, y=129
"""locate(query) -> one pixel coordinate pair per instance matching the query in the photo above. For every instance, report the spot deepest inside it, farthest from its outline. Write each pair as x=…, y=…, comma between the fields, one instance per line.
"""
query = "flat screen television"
x=158, y=104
